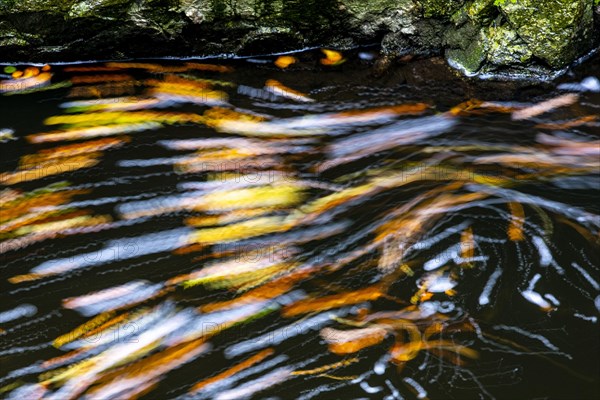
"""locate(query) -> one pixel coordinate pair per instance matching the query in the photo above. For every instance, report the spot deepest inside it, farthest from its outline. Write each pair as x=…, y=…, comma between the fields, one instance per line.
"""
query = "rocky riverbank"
x=500, y=37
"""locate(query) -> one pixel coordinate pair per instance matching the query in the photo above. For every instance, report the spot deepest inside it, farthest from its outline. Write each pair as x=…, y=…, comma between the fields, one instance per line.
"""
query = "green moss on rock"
x=467, y=47
x=11, y=37
x=481, y=10
x=372, y=17
x=361, y=8
x=440, y=8
x=506, y=47
x=95, y=8
x=55, y=6
x=197, y=11
x=555, y=30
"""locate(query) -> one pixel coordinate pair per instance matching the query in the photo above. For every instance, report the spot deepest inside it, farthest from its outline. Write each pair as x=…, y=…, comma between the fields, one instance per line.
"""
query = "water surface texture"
x=301, y=227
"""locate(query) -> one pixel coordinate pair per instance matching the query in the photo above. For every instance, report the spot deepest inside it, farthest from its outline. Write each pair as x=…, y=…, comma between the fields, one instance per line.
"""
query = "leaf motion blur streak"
x=348, y=229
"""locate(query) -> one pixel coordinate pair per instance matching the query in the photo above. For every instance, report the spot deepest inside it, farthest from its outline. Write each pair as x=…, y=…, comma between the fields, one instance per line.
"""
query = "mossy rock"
x=556, y=31
x=306, y=15
x=440, y=8
x=481, y=10
x=361, y=8
x=373, y=17
x=506, y=47
x=197, y=11
x=476, y=35
x=261, y=41
x=99, y=8
x=27, y=6
x=467, y=47
x=10, y=37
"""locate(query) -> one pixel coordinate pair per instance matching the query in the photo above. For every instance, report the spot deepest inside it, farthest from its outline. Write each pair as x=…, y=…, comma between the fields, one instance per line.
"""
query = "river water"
x=305, y=226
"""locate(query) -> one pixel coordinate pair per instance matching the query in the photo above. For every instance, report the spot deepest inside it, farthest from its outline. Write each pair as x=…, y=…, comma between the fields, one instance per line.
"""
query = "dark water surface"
x=235, y=229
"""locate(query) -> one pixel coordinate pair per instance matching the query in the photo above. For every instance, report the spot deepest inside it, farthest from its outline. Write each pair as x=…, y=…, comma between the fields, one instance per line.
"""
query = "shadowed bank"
x=530, y=38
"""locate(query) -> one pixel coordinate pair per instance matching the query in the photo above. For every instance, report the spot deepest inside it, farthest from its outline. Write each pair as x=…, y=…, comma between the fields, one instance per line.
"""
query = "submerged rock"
x=477, y=36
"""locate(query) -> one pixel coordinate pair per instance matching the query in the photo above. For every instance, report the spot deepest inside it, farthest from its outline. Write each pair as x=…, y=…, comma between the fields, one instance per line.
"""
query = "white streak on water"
x=427, y=243
x=587, y=276
x=151, y=162
x=533, y=281
x=248, y=389
x=381, y=364
x=210, y=390
x=399, y=133
x=429, y=308
x=586, y=318
x=22, y=310
x=552, y=299
x=545, y=254
x=395, y=393
x=118, y=250
x=370, y=389
x=589, y=84
x=421, y=392
x=441, y=259
x=24, y=349
x=277, y=336
x=140, y=324
x=440, y=284
x=28, y=391
x=583, y=217
x=531, y=335
x=535, y=297
x=94, y=202
x=207, y=324
x=113, y=298
x=258, y=178
x=157, y=205
x=461, y=260
x=479, y=238
x=484, y=298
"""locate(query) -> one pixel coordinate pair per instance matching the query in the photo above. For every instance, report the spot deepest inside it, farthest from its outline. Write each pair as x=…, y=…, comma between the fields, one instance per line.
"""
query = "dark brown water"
x=235, y=229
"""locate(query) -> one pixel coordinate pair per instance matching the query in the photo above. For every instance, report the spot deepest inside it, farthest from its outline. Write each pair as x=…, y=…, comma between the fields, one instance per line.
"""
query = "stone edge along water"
x=501, y=38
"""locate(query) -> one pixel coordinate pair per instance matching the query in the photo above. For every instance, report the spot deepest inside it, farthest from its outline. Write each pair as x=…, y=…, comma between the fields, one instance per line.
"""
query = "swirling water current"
x=297, y=227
